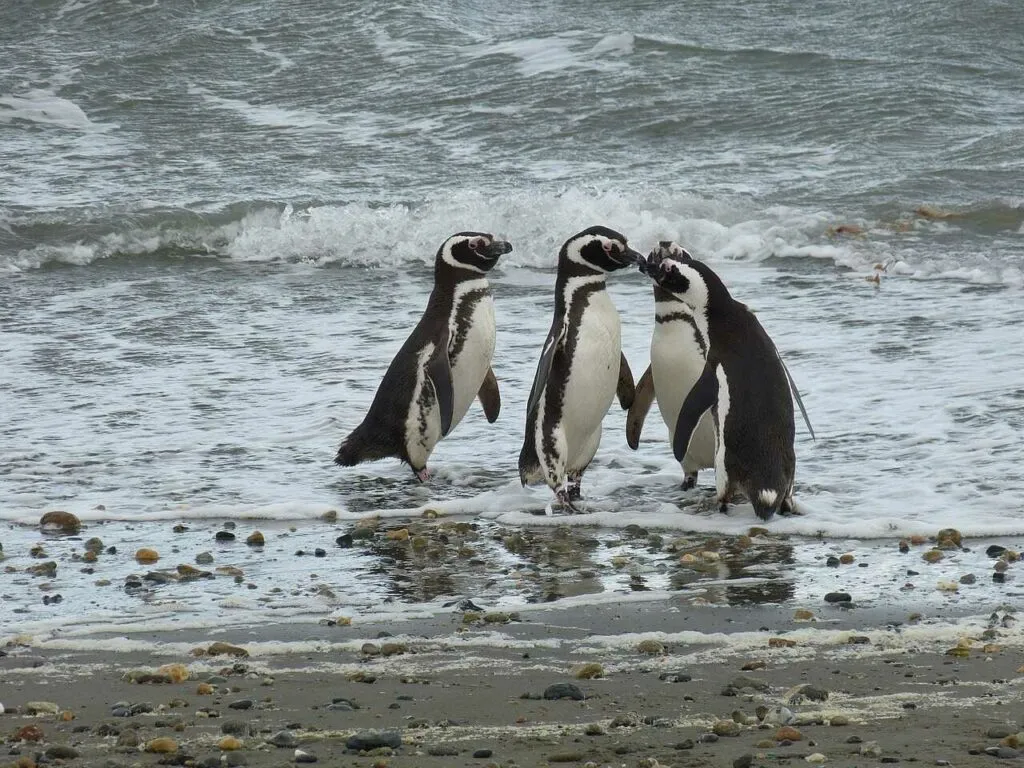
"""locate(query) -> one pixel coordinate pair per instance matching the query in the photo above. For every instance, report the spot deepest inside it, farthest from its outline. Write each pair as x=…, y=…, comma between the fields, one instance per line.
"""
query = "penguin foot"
x=564, y=494
x=689, y=481
x=574, y=487
x=423, y=475
x=723, y=507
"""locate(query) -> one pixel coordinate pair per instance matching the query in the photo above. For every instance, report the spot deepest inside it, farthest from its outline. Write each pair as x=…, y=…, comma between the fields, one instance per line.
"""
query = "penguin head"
x=600, y=249
x=684, y=278
x=667, y=249
x=475, y=251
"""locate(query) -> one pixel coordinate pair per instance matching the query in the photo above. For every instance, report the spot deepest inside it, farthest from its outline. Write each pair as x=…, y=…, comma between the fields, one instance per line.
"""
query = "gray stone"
x=242, y=704
x=366, y=740
x=283, y=739
x=61, y=752
x=235, y=728
x=563, y=691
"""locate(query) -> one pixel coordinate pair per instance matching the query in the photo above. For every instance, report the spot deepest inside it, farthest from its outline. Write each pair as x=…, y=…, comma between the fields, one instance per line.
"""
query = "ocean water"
x=217, y=224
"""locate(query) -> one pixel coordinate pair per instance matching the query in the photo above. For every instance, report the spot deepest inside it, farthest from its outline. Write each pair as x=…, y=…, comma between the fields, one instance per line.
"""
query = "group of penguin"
x=721, y=386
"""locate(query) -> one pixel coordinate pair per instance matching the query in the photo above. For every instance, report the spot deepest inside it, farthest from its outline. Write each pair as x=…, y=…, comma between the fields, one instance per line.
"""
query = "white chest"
x=472, y=345
x=594, y=371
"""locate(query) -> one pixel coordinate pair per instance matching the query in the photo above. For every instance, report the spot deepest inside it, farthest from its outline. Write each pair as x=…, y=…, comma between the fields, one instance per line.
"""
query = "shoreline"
x=442, y=689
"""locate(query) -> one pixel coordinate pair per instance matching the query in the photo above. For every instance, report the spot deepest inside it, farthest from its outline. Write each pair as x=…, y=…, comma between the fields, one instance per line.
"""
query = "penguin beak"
x=629, y=256
x=497, y=248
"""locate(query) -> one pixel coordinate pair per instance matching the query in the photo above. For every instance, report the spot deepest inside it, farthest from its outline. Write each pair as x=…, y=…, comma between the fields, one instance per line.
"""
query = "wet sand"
x=883, y=688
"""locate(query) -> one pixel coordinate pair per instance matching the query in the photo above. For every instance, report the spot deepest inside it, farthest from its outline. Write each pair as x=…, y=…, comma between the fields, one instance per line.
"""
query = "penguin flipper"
x=638, y=410
x=625, y=389
x=554, y=340
x=702, y=396
x=489, y=396
x=439, y=373
x=796, y=396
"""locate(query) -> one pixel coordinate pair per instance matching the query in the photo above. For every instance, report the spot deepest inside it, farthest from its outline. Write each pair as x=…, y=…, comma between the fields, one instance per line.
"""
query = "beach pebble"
x=342, y=705
x=162, y=745
x=283, y=739
x=61, y=752
x=588, y=671
x=1003, y=753
x=344, y=541
x=563, y=691
x=839, y=721
x=442, y=750
x=995, y=550
x=367, y=740
x=176, y=673
x=60, y=522
x=726, y=728
x=255, y=539
x=29, y=733
x=816, y=758
x=41, y=708
x=870, y=749
x=225, y=649
x=229, y=743
x=779, y=716
x=743, y=761
x=745, y=681
x=224, y=536
x=788, y=733
x=304, y=757
x=146, y=555
x=838, y=597
x=652, y=647
x=204, y=558
x=242, y=704
x=832, y=562
x=968, y=578
x=999, y=732
x=483, y=754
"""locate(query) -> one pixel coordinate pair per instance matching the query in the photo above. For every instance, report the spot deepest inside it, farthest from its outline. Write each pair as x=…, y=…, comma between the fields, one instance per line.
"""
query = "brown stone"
x=780, y=642
x=146, y=555
x=255, y=539
x=226, y=649
x=788, y=733
x=29, y=732
x=162, y=745
x=60, y=522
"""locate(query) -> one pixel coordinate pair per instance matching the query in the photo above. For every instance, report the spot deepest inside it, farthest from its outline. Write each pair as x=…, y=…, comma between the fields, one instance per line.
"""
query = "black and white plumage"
x=679, y=347
x=443, y=365
x=745, y=386
x=581, y=366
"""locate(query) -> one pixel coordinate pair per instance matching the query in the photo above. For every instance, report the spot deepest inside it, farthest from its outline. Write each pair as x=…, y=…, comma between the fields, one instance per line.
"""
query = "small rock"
x=594, y=729
x=367, y=740
x=846, y=559
x=442, y=750
x=283, y=739
x=255, y=539
x=162, y=745
x=29, y=733
x=816, y=758
x=304, y=757
x=61, y=752
x=788, y=733
x=968, y=578
x=205, y=689
x=204, y=558
x=589, y=671
x=41, y=708
x=60, y=522
x=839, y=720
x=838, y=597
x=241, y=704
x=745, y=681
x=229, y=743
x=224, y=536
x=652, y=647
x=319, y=552
x=932, y=556
x=995, y=550
x=225, y=649
x=1003, y=753
x=563, y=691
x=146, y=555
x=802, y=614
x=344, y=541
x=483, y=754
x=128, y=738
x=999, y=732
x=870, y=749
x=949, y=538
x=832, y=562
x=743, y=761
x=176, y=673
x=726, y=728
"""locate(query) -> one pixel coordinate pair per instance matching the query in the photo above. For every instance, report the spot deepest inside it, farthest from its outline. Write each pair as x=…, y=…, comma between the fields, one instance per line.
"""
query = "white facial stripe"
x=573, y=284
x=574, y=248
x=696, y=296
x=448, y=258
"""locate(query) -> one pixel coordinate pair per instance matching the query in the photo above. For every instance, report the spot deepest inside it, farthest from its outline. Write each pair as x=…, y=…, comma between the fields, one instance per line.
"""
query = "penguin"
x=581, y=367
x=679, y=348
x=443, y=365
x=744, y=385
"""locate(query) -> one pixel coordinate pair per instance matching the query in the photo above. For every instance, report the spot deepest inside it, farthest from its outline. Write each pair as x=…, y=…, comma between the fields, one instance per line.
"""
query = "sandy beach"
x=638, y=683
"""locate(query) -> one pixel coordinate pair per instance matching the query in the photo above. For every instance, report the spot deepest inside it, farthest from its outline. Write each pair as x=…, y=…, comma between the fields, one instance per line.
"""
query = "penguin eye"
x=608, y=247
x=475, y=243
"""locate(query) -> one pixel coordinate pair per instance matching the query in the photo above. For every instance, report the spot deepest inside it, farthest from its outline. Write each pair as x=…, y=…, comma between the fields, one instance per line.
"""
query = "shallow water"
x=213, y=241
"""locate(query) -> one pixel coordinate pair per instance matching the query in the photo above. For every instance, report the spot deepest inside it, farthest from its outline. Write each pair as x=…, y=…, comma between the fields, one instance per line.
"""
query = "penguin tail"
x=766, y=503
x=359, y=447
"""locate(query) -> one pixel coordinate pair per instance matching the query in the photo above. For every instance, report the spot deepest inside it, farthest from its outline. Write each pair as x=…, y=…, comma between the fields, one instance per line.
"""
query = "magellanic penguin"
x=581, y=366
x=443, y=365
x=679, y=348
x=745, y=386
